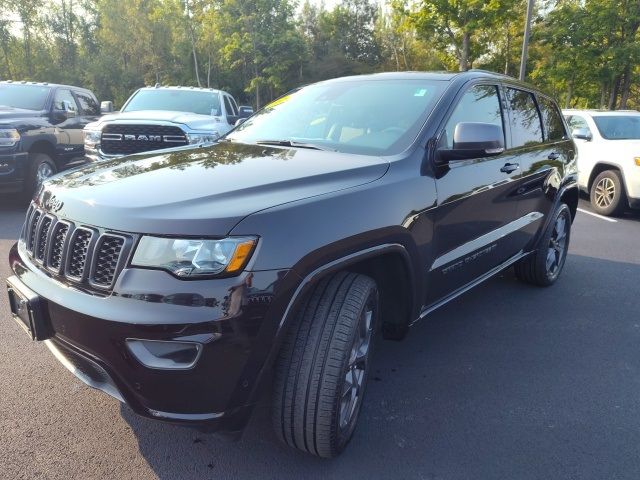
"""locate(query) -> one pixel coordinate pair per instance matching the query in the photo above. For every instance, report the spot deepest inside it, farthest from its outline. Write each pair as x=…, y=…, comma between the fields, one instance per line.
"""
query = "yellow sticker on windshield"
x=277, y=102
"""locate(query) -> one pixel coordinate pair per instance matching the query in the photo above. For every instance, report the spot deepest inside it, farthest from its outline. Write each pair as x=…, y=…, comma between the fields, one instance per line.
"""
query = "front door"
x=477, y=208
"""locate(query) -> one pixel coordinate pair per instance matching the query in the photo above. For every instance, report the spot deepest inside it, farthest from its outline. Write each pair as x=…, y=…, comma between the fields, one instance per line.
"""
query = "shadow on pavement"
x=508, y=381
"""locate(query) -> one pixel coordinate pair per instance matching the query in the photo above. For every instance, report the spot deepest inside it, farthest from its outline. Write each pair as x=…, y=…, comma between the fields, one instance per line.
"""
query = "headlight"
x=190, y=258
x=637, y=160
x=9, y=137
x=195, y=138
x=92, y=137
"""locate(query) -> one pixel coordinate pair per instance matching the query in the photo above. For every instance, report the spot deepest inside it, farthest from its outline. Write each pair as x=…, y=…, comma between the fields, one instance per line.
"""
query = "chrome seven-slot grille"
x=84, y=255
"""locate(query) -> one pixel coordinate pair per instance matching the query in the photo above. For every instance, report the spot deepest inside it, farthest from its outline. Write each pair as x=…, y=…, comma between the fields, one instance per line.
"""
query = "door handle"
x=509, y=167
x=553, y=156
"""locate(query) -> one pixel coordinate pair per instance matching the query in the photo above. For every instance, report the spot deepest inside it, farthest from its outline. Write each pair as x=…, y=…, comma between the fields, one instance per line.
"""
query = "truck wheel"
x=607, y=193
x=544, y=265
x=322, y=369
x=41, y=168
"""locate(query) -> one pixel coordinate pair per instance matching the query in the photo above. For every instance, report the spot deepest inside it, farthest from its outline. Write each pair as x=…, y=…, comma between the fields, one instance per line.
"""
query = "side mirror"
x=240, y=121
x=245, y=111
x=106, y=107
x=474, y=140
x=582, y=134
x=67, y=111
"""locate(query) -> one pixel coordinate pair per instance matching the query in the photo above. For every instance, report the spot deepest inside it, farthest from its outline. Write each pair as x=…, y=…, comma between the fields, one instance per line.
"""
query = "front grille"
x=42, y=235
x=78, y=250
x=124, y=139
x=83, y=255
x=107, y=256
x=58, y=239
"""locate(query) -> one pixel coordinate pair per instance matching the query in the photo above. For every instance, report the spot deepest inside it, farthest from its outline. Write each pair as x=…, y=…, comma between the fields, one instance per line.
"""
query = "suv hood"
x=194, y=121
x=200, y=191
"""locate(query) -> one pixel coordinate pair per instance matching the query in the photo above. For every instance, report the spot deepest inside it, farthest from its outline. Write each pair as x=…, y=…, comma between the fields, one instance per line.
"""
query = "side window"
x=526, y=128
x=575, y=121
x=234, y=105
x=88, y=104
x=480, y=103
x=228, y=107
x=551, y=120
x=64, y=95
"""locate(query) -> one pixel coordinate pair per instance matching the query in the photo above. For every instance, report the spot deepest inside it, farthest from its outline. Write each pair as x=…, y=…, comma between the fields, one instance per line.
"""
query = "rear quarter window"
x=551, y=120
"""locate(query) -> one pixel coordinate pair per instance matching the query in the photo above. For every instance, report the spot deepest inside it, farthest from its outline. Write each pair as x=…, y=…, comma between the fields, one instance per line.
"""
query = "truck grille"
x=83, y=255
x=124, y=139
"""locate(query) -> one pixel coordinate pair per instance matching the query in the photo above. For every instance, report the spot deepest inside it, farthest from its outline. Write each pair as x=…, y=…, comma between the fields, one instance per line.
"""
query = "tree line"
x=584, y=52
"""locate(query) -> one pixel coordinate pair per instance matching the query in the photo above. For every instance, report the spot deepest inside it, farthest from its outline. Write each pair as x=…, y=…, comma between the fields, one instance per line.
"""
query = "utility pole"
x=525, y=41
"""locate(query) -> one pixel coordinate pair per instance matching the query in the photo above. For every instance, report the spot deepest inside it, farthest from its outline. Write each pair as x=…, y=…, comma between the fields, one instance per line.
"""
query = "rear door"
x=474, y=219
x=540, y=145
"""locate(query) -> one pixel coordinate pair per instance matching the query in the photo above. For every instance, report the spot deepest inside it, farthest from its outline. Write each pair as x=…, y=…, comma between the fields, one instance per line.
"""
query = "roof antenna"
x=157, y=85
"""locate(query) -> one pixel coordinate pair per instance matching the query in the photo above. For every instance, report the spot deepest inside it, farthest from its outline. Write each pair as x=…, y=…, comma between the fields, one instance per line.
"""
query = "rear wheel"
x=607, y=193
x=323, y=365
x=544, y=265
x=41, y=168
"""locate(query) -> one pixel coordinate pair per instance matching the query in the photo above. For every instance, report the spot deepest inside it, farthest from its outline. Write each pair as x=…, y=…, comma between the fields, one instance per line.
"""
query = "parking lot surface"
x=506, y=382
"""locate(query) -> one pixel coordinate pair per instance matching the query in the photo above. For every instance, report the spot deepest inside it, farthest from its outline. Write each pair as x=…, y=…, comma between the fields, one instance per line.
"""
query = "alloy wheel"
x=353, y=385
x=557, y=246
x=605, y=192
x=43, y=172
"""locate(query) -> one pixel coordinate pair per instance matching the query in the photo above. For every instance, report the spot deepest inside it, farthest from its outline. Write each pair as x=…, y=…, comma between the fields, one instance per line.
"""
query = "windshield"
x=618, y=127
x=375, y=117
x=203, y=103
x=27, y=97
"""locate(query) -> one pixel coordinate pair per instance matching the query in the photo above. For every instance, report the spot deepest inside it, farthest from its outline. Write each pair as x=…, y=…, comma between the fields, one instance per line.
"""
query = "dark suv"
x=178, y=282
x=40, y=131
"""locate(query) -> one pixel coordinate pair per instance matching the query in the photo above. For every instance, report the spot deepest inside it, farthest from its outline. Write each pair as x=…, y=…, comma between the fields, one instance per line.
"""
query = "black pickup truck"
x=40, y=131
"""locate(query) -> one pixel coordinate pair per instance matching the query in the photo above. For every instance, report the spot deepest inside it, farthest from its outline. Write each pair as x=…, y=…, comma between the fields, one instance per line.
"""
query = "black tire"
x=37, y=161
x=536, y=268
x=607, y=194
x=315, y=359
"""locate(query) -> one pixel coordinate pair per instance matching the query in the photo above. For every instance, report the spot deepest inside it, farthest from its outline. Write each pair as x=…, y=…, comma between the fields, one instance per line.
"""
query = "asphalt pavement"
x=506, y=382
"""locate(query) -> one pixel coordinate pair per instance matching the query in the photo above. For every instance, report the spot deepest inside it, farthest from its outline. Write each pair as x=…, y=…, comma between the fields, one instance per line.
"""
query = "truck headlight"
x=9, y=137
x=193, y=258
x=91, y=137
x=196, y=138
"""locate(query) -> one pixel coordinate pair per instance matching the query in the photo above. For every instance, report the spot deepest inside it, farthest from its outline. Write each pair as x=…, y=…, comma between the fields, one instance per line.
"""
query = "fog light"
x=165, y=354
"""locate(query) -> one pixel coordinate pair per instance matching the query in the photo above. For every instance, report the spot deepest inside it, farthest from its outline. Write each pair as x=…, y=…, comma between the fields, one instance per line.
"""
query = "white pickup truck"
x=155, y=118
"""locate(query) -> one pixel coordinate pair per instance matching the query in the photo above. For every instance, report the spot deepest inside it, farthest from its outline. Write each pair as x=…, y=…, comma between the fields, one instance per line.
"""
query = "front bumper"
x=12, y=171
x=235, y=320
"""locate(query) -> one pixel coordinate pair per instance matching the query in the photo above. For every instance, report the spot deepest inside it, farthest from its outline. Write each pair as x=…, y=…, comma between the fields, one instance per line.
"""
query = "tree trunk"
x=506, y=54
x=195, y=60
x=567, y=101
x=464, y=53
x=613, y=96
x=626, y=87
x=603, y=94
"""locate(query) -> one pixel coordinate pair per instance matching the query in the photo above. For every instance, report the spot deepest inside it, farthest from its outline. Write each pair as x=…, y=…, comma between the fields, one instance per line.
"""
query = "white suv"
x=608, y=157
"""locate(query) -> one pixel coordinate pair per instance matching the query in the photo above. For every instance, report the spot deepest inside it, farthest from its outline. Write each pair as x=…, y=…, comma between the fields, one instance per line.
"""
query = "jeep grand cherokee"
x=178, y=282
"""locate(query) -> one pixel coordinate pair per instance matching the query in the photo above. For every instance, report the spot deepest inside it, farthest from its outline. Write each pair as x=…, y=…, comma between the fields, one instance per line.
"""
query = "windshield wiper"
x=290, y=143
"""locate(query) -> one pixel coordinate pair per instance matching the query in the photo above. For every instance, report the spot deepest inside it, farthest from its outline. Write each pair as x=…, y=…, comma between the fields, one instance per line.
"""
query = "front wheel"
x=544, y=265
x=41, y=168
x=323, y=365
x=607, y=193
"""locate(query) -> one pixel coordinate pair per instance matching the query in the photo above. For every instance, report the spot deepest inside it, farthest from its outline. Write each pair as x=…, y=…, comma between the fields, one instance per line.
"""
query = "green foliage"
x=585, y=52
